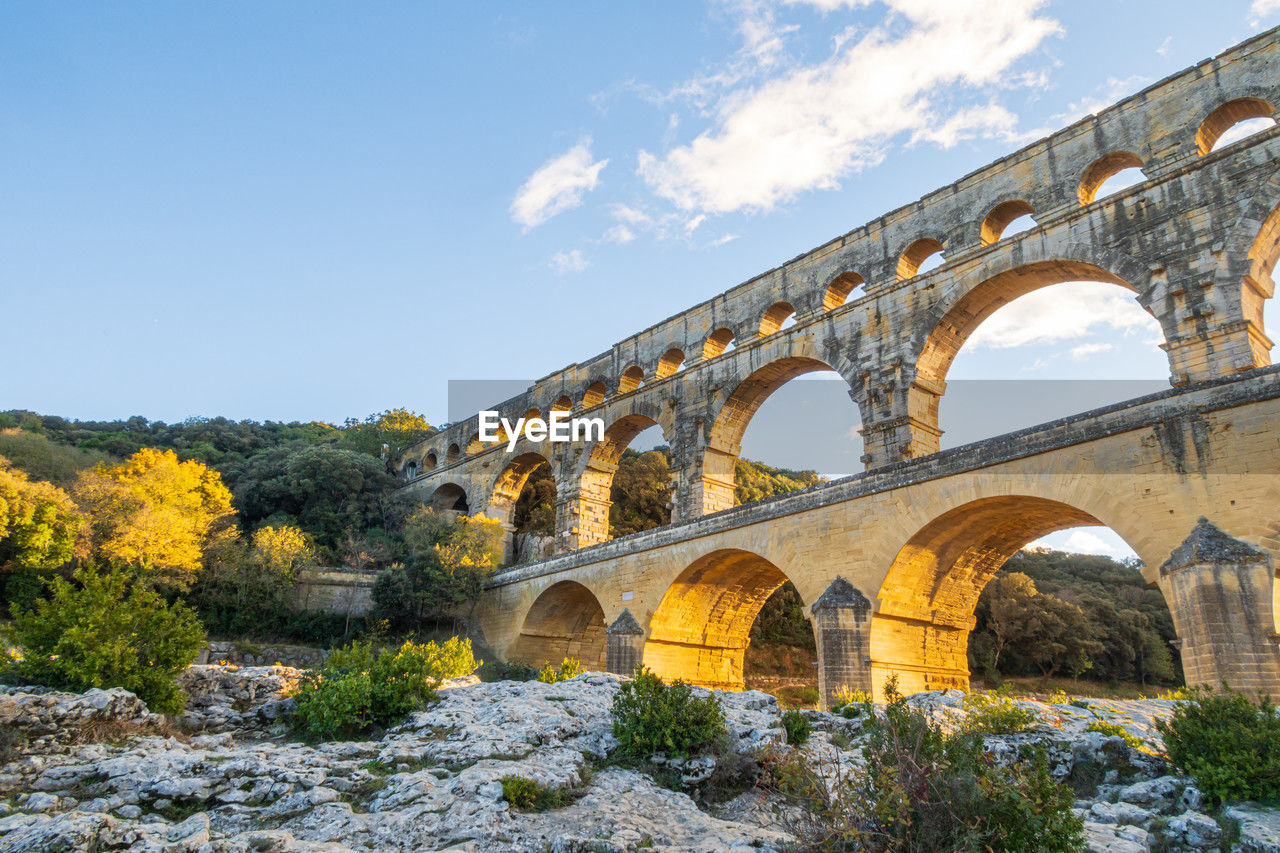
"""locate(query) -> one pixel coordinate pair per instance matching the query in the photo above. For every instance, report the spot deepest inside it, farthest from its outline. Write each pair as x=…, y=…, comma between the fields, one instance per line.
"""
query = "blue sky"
x=320, y=210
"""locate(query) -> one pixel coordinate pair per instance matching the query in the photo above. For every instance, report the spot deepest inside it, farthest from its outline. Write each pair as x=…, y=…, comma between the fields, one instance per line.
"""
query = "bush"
x=797, y=727
x=650, y=717
x=358, y=688
x=851, y=704
x=502, y=670
x=921, y=790
x=996, y=715
x=569, y=668
x=108, y=630
x=527, y=795
x=1227, y=742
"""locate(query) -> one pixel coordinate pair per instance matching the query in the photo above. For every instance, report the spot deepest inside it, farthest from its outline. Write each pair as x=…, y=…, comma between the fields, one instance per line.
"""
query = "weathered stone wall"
x=345, y=591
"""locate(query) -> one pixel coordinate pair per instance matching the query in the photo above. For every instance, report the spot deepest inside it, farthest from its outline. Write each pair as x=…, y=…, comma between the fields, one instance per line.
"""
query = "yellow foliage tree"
x=155, y=511
x=39, y=523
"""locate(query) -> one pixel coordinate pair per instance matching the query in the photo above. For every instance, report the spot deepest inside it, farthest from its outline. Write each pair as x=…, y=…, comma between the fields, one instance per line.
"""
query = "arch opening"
x=702, y=628
x=1259, y=286
x=453, y=454
x=631, y=379
x=963, y=319
x=782, y=655
x=776, y=318
x=1005, y=220
x=921, y=629
x=920, y=257
x=450, y=497
x=594, y=395
x=1232, y=122
x=838, y=291
x=775, y=443
x=671, y=362
x=565, y=621
x=718, y=342
x=410, y=470
x=532, y=413
x=562, y=404
x=429, y=462
x=625, y=491
x=1110, y=174
x=506, y=492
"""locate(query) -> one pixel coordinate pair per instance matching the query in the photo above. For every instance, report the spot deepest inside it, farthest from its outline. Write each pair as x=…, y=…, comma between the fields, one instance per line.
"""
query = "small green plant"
x=527, y=795
x=851, y=704
x=107, y=629
x=994, y=714
x=359, y=688
x=501, y=670
x=569, y=668
x=797, y=727
x=1113, y=730
x=1226, y=741
x=651, y=717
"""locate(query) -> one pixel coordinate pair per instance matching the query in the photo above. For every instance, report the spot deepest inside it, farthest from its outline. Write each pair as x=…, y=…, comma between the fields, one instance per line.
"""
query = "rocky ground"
x=98, y=771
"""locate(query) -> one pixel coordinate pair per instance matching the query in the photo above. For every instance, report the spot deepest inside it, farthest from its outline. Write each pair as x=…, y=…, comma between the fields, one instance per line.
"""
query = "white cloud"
x=1163, y=49
x=619, y=234
x=1063, y=312
x=1261, y=9
x=1083, y=351
x=1087, y=540
x=810, y=126
x=558, y=185
x=567, y=262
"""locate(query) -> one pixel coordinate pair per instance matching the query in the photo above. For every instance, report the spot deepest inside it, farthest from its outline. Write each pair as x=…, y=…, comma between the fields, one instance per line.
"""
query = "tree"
x=39, y=523
x=247, y=586
x=396, y=429
x=43, y=459
x=328, y=492
x=641, y=492
x=108, y=629
x=756, y=481
x=156, y=512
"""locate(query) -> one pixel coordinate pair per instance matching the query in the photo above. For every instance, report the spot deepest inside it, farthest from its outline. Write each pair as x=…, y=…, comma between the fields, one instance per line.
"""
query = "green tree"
x=155, y=511
x=641, y=492
x=396, y=430
x=44, y=459
x=247, y=586
x=108, y=629
x=756, y=481
x=39, y=523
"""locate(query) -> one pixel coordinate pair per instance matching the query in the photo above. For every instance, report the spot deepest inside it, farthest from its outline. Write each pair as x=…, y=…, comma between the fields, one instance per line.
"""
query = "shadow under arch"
x=962, y=319
x=565, y=621
x=920, y=631
x=702, y=627
x=451, y=497
x=724, y=440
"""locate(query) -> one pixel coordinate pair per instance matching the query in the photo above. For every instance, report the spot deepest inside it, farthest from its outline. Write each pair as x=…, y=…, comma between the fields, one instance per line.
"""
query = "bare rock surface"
x=229, y=777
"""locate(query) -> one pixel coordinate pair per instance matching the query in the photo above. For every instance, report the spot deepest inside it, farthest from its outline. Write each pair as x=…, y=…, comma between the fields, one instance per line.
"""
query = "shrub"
x=921, y=790
x=1113, y=730
x=359, y=688
x=797, y=727
x=502, y=670
x=569, y=668
x=995, y=715
x=108, y=629
x=527, y=795
x=850, y=703
x=650, y=717
x=1227, y=742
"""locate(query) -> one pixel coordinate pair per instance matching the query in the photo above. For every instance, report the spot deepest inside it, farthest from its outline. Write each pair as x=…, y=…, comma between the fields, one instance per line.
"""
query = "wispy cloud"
x=1064, y=312
x=562, y=263
x=558, y=185
x=1084, y=351
x=810, y=126
x=1262, y=9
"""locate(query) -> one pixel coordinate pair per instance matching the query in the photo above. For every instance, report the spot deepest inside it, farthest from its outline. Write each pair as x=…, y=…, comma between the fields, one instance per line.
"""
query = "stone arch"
x=509, y=482
x=595, y=481
x=565, y=621
x=534, y=412
x=912, y=257
x=1000, y=217
x=1226, y=116
x=920, y=630
x=701, y=629
x=453, y=454
x=774, y=316
x=963, y=316
x=594, y=395
x=562, y=404
x=410, y=469
x=631, y=379
x=451, y=497
x=474, y=444
x=717, y=342
x=838, y=290
x=1104, y=167
x=430, y=461
x=724, y=439
x=670, y=363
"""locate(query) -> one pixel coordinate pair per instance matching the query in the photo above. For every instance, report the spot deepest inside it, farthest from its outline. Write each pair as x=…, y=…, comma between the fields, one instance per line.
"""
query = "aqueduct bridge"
x=890, y=562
